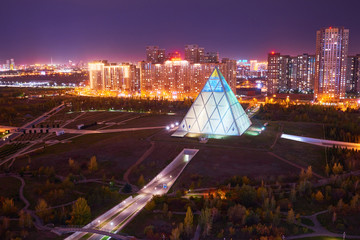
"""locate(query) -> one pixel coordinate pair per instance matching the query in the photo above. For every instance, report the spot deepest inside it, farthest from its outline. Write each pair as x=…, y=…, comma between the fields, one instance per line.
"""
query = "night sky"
x=36, y=30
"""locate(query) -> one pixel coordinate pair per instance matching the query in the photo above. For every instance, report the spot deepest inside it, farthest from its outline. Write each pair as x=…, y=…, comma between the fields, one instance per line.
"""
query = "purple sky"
x=36, y=30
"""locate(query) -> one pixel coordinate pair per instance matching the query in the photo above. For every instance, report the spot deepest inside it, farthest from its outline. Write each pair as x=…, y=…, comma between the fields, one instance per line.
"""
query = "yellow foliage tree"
x=93, y=166
x=43, y=211
x=319, y=196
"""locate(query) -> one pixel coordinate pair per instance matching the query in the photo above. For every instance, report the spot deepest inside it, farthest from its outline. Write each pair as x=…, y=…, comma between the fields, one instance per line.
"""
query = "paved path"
x=321, y=142
x=319, y=230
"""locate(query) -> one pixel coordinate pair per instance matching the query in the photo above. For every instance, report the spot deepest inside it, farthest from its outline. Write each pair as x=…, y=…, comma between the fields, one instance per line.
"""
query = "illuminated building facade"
x=211, y=57
x=194, y=54
x=290, y=74
x=353, y=74
x=114, y=77
x=215, y=111
x=331, y=56
x=155, y=55
x=273, y=72
x=179, y=78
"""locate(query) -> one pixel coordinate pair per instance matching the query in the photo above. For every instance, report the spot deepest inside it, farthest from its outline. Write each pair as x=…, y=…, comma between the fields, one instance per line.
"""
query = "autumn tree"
x=150, y=205
x=291, y=217
x=236, y=213
x=188, y=221
x=93, y=165
x=80, y=214
x=319, y=196
x=175, y=234
x=141, y=181
x=43, y=211
x=205, y=221
x=8, y=206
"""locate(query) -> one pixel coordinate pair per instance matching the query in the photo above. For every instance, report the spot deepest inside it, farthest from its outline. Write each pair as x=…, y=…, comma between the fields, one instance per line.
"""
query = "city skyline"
x=240, y=30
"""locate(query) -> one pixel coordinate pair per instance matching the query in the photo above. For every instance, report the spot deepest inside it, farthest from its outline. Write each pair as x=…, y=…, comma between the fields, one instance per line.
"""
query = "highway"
x=321, y=142
x=117, y=217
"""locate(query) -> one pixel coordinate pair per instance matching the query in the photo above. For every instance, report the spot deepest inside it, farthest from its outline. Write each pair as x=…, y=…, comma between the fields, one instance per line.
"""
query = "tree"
x=236, y=213
x=188, y=221
x=43, y=211
x=327, y=169
x=81, y=213
x=149, y=231
x=22, y=219
x=319, y=196
x=127, y=188
x=175, y=234
x=293, y=195
x=8, y=206
x=71, y=162
x=354, y=202
x=205, y=221
x=93, y=166
x=309, y=173
x=73, y=165
x=150, y=205
x=291, y=217
x=141, y=181
x=165, y=208
x=337, y=168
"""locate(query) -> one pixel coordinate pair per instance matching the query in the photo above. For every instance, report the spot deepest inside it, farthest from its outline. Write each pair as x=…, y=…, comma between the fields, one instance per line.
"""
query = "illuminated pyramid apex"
x=215, y=111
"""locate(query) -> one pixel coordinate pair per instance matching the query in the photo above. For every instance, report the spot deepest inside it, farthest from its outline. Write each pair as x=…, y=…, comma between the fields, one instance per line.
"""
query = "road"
x=321, y=142
x=117, y=217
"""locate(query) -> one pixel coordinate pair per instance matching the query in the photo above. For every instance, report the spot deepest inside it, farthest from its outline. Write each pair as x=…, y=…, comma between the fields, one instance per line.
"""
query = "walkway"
x=321, y=142
x=319, y=230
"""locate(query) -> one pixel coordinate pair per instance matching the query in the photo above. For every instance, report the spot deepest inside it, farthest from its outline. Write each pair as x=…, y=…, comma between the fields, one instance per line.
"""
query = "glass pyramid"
x=215, y=111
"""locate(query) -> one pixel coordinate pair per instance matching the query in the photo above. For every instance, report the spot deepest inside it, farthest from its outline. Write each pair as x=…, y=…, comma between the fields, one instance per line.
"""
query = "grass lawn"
x=307, y=222
x=348, y=223
x=303, y=154
x=305, y=129
x=115, y=152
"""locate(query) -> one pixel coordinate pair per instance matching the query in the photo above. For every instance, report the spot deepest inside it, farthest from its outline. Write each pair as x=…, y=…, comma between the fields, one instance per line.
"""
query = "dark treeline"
x=128, y=104
x=339, y=125
x=342, y=159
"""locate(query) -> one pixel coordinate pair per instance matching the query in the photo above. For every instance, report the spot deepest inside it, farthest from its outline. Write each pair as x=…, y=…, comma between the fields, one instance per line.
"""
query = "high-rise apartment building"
x=155, y=55
x=211, y=57
x=273, y=72
x=179, y=78
x=331, y=57
x=194, y=54
x=353, y=74
x=290, y=74
x=114, y=77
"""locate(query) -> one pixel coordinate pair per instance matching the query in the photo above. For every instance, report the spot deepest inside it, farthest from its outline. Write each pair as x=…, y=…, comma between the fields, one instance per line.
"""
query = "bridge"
x=61, y=230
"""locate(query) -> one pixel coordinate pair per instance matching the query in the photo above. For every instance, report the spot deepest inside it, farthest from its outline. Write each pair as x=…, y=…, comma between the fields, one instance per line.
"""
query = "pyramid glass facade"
x=215, y=111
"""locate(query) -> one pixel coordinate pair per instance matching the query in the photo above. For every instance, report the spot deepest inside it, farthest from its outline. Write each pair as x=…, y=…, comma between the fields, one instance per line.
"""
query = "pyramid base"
x=179, y=133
